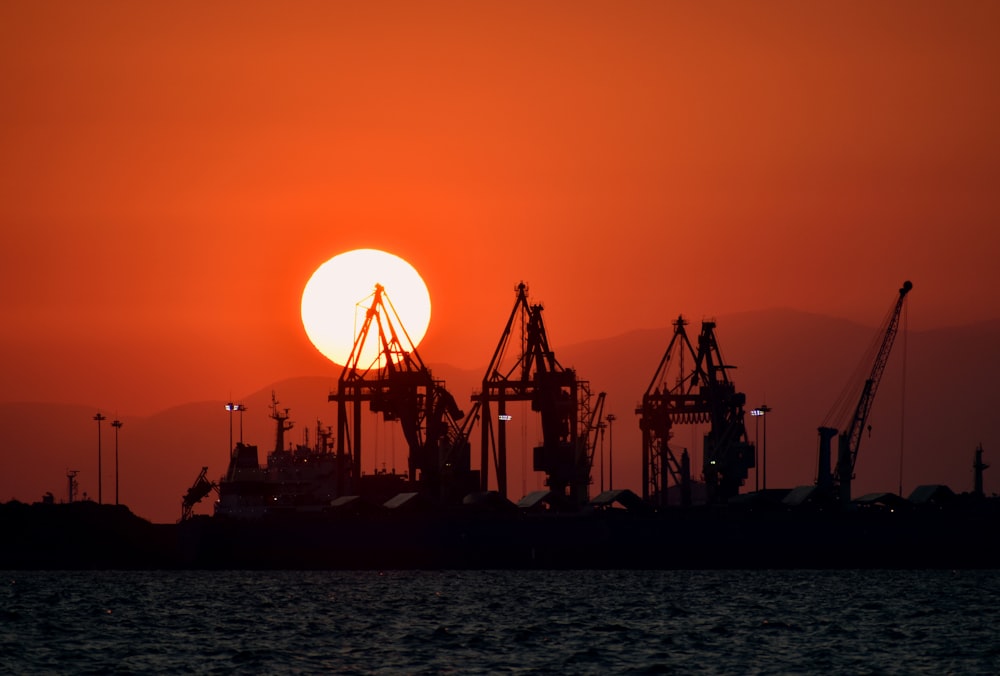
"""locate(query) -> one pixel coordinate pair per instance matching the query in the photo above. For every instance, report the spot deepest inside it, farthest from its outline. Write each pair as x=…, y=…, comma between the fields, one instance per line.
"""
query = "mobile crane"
x=849, y=440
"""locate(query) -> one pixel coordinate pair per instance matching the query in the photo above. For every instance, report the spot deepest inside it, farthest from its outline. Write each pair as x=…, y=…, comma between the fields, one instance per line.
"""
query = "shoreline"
x=90, y=536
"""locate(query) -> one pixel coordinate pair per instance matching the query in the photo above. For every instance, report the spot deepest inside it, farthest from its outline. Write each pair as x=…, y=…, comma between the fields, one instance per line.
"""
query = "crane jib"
x=850, y=439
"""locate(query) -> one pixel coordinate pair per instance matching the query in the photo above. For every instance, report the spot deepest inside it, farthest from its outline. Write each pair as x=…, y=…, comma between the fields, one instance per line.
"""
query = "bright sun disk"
x=337, y=295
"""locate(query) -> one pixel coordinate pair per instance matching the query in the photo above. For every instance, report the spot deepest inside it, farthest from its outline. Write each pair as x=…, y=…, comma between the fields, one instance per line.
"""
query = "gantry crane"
x=398, y=385
x=700, y=394
x=563, y=402
x=850, y=439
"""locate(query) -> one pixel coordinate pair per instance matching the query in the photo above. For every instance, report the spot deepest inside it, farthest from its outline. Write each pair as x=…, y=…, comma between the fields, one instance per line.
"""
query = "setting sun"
x=338, y=293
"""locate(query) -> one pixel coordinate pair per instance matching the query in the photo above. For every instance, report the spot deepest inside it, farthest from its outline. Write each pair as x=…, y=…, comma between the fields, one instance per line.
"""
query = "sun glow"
x=337, y=295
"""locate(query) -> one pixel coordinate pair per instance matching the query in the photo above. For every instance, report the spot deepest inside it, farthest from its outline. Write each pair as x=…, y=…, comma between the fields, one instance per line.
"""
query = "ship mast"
x=282, y=424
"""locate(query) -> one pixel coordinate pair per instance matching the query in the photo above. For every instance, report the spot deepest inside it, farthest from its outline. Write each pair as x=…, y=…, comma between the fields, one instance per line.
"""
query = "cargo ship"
x=300, y=477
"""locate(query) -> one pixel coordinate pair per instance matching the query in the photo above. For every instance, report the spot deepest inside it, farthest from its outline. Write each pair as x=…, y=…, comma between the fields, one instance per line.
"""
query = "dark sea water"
x=565, y=622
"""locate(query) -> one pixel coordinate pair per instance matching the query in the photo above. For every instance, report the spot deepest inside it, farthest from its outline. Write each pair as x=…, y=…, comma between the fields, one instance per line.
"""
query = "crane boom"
x=850, y=439
x=853, y=433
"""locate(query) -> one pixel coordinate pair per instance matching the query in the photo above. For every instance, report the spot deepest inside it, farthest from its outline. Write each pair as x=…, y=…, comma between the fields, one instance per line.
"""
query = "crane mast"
x=849, y=440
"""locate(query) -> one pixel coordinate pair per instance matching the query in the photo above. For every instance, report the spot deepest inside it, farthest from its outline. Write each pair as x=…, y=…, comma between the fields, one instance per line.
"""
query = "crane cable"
x=843, y=408
x=524, y=448
x=902, y=397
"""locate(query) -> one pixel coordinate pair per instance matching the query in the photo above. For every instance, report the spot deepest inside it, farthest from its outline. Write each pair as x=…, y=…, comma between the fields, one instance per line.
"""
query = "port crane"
x=399, y=385
x=201, y=487
x=568, y=410
x=700, y=394
x=849, y=440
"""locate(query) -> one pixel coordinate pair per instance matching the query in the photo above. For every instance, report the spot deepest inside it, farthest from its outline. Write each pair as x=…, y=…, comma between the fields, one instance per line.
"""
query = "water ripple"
x=636, y=622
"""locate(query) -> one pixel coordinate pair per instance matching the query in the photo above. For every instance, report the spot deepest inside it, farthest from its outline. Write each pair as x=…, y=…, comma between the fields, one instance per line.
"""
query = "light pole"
x=611, y=451
x=117, y=424
x=600, y=429
x=756, y=448
x=241, y=408
x=100, y=495
x=230, y=406
x=761, y=412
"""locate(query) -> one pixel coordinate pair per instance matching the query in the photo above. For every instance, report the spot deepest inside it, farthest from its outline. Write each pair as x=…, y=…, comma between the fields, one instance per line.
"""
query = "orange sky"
x=173, y=172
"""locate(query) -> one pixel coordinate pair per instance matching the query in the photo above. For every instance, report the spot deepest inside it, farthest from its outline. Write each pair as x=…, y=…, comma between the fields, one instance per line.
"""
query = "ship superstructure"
x=299, y=477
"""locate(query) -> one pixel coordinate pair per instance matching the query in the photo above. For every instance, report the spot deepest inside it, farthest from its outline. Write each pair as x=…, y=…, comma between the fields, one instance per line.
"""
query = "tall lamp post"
x=761, y=412
x=241, y=408
x=100, y=494
x=600, y=429
x=611, y=451
x=117, y=424
x=756, y=449
x=230, y=406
